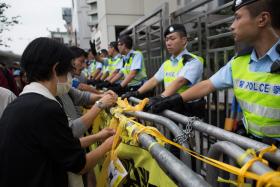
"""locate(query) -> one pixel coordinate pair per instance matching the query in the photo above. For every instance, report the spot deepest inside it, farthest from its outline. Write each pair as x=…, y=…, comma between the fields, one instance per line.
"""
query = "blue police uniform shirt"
x=136, y=61
x=192, y=70
x=223, y=78
x=98, y=65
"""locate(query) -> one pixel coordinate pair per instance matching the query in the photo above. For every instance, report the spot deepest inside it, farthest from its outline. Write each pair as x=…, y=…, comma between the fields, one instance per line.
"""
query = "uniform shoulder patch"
x=186, y=58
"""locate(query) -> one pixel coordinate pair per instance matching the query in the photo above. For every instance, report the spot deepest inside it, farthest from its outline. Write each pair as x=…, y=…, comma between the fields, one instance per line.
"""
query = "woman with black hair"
x=37, y=146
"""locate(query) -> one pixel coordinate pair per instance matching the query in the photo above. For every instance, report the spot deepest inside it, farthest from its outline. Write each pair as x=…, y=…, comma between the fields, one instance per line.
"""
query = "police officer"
x=114, y=64
x=133, y=71
x=182, y=70
x=255, y=82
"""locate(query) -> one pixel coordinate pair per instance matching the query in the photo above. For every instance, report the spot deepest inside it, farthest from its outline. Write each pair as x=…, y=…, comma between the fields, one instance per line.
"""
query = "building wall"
x=112, y=13
x=80, y=23
x=125, y=7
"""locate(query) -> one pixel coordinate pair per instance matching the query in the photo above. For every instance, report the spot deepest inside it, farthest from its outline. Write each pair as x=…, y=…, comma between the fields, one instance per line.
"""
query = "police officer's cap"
x=237, y=4
x=175, y=28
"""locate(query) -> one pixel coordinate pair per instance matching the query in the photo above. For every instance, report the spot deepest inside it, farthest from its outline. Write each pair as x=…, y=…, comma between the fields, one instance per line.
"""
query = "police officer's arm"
x=116, y=77
x=198, y=91
x=110, y=77
x=99, y=75
x=104, y=76
x=129, y=78
x=174, y=86
x=95, y=74
x=150, y=84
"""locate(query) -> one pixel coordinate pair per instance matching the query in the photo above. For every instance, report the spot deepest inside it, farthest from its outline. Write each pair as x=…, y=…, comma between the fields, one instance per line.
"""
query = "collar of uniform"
x=185, y=51
x=117, y=56
x=272, y=54
x=128, y=54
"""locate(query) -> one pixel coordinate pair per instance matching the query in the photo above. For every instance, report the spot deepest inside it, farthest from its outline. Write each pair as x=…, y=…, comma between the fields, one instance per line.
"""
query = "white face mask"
x=64, y=87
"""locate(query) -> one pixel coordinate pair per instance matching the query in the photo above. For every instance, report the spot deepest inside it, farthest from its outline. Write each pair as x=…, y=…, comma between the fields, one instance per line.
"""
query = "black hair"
x=41, y=55
x=78, y=52
x=104, y=52
x=114, y=45
x=275, y=14
x=270, y=6
x=127, y=40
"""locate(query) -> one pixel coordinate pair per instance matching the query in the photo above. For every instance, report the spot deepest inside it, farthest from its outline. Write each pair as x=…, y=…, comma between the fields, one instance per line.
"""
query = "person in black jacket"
x=36, y=144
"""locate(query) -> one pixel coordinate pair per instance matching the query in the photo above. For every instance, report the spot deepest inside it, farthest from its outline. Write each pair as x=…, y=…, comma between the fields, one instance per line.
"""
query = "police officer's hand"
x=92, y=47
x=152, y=101
x=131, y=94
x=167, y=103
x=107, y=84
x=118, y=89
x=92, y=82
x=100, y=85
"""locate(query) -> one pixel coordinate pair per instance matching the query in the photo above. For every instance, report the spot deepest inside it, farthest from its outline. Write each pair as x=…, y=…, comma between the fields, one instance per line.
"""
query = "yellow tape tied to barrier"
x=119, y=121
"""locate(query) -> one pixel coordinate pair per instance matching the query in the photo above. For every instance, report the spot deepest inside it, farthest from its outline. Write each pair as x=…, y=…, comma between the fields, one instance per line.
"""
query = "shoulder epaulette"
x=186, y=58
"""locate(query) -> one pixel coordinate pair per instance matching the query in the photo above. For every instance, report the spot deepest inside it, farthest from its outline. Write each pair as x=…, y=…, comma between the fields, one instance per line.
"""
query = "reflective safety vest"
x=141, y=74
x=92, y=67
x=171, y=72
x=258, y=94
x=112, y=64
x=85, y=72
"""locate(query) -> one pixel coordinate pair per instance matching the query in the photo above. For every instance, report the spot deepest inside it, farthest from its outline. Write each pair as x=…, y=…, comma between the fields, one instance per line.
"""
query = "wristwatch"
x=100, y=105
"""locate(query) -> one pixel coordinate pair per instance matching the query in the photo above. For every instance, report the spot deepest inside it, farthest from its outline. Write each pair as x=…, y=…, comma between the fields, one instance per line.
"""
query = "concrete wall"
x=112, y=13
x=80, y=23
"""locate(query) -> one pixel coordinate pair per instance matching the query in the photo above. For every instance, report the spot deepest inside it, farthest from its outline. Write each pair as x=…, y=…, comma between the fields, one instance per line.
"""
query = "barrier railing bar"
x=233, y=151
x=169, y=163
x=220, y=134
x=170, y=125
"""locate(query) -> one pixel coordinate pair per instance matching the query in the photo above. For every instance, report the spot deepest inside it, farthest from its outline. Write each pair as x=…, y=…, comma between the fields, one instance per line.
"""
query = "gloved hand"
x=92, y=82
x=169, y=102
x=92, y=47
x=152, y=101
x=107, y=84
x=131, y=94
x=118, y=89
x=100, y=85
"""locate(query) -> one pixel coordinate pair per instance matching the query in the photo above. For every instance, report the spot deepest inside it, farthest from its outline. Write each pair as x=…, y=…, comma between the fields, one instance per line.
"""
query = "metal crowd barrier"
x=171, y=126
x=218, y=134
x=235, y=152
x=173, y=167
x=222, y=134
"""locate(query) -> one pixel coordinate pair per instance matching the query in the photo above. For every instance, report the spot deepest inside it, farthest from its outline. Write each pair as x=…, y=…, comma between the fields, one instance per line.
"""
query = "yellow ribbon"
x=123, y=105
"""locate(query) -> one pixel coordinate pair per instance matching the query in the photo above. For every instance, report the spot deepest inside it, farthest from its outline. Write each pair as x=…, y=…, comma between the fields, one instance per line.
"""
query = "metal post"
x=233, y=151
x=171, y=126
